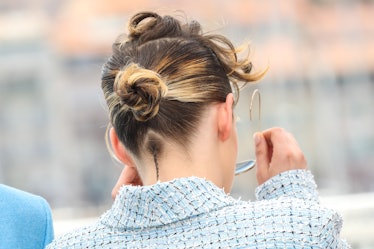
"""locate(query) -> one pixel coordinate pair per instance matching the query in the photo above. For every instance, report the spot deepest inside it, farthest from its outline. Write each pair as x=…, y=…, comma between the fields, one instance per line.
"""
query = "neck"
x=198, y=159
x=177, y=162
x=205, y=156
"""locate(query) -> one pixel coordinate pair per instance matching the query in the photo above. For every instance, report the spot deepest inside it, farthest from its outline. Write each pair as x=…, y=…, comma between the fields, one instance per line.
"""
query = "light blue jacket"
x=25, y=220
x=195, y=213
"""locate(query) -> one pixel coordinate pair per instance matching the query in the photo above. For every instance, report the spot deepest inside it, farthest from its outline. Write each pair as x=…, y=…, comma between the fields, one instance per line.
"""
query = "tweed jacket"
x=25, y=220
x=194, y=213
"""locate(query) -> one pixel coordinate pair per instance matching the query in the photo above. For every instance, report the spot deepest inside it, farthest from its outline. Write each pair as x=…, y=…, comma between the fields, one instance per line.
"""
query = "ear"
x=119, y=150
x=225, y=118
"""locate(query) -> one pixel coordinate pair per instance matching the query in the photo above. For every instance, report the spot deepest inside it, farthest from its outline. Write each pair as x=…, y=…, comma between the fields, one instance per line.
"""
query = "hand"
x=276, y=151
x=129, y=176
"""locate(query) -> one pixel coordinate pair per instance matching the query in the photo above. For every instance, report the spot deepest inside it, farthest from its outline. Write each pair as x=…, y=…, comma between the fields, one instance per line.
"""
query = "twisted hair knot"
x=140, y=90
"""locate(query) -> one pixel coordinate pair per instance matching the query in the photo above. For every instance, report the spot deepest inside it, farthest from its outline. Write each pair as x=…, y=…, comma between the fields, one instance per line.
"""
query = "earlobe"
x=119, y=150
x=225, y=118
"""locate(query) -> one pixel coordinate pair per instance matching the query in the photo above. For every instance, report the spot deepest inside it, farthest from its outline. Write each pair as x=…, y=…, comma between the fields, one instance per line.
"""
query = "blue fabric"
x=25, y=220
x=194, y=213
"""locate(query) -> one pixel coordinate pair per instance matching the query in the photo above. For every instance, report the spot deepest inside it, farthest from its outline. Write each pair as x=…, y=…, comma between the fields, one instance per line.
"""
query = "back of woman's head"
x=162, y=76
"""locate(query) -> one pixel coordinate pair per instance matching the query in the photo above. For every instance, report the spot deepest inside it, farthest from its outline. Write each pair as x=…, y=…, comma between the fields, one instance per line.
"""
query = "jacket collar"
x=164, y=203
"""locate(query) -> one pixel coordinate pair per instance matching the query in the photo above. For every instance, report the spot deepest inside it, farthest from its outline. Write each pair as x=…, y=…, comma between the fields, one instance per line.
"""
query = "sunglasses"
x=247, y=165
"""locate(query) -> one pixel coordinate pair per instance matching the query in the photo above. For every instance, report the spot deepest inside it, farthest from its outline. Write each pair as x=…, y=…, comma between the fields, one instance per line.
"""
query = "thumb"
x=262, y=157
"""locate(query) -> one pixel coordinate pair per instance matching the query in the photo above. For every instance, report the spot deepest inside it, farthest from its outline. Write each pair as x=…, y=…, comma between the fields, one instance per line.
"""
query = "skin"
x=276, y=151
x=212, y=154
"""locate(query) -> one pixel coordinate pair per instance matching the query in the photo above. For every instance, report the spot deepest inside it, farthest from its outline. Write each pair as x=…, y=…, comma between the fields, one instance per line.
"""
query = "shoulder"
x=285, y=220
x=16, y=200
x=24, y=217
x=298, y=209
x=95, y=235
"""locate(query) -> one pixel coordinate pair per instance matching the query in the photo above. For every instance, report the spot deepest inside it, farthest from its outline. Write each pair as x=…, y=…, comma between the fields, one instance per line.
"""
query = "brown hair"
x=161, y=77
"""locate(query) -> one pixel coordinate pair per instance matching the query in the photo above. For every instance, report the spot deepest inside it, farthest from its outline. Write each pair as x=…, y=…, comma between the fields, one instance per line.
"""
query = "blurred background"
x=320, y=87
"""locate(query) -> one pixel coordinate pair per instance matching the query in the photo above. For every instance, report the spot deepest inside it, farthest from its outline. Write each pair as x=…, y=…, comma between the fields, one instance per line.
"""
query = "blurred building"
x=320, y=86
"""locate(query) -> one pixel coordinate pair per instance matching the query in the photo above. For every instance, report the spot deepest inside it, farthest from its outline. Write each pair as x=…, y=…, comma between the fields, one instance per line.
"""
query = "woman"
x=171, y=91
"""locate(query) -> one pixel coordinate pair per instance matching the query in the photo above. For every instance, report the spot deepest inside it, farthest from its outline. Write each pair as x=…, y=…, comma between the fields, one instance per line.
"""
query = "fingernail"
x=257, y=138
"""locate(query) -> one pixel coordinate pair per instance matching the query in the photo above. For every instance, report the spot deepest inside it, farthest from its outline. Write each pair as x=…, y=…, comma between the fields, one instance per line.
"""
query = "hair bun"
x=138, y=24
x=147, y=26
x=140, y=90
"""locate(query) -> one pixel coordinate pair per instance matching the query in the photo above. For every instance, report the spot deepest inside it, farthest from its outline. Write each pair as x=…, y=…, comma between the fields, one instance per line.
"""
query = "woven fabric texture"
x=194, y=213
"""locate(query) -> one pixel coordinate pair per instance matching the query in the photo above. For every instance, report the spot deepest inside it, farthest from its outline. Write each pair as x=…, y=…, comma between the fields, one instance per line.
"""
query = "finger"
x=119, y=183
x=276, y=137
x=286, y=152
x=262, y=157
x=299, y=160
x=280, y=143
x=129, y=175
